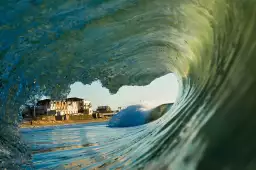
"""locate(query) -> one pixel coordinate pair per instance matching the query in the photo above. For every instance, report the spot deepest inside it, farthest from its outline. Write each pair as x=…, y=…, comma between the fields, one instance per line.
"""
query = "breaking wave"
x=45, y=46
x=136, y=115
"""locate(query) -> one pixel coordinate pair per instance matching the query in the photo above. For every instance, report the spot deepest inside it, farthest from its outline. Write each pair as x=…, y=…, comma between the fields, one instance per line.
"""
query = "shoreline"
x=40, y=123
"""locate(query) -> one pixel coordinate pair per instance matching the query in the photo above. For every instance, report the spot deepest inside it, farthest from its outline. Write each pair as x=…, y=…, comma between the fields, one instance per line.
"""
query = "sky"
x=161, y=90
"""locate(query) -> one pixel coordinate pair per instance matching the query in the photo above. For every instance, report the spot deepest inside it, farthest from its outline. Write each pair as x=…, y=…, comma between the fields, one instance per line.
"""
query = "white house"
x=88, y=106
x=68, y=106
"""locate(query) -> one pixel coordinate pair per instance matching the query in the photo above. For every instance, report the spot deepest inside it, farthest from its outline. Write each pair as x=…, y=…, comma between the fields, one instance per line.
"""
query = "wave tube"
x=210, y=45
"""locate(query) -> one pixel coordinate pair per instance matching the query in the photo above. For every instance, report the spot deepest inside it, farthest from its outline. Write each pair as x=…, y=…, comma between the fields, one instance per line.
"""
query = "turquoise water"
x=92, y=145
x=81, y=146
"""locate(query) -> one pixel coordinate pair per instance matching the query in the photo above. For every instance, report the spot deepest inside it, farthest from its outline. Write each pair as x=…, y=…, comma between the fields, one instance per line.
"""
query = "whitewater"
x=45, y=46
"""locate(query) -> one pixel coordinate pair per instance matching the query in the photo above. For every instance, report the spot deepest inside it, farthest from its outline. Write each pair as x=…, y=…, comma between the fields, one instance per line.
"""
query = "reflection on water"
x=78, y=146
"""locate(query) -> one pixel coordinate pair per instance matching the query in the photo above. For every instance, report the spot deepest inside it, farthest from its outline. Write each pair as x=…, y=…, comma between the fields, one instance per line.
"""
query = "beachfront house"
x=87, y=107
x=75, y=105
x=42, y=107
x=104, y=109
x=78, y=105
x=68, y=106
x=58, y=107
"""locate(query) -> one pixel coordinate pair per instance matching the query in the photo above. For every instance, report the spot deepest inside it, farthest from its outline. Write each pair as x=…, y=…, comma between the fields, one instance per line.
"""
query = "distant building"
x=78, y=105
x=87, y=107
x=42, y=107
x=62, y=107
x=59, y=107
x=104, y=109
x=75, y=105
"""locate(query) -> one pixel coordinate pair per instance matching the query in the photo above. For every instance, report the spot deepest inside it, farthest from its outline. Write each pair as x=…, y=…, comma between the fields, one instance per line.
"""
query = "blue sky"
x=161, y=90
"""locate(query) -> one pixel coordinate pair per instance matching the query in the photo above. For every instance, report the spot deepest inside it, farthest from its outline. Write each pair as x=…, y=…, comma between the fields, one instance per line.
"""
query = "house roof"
x=74, y=99
x=103, y=107
x=68, y=99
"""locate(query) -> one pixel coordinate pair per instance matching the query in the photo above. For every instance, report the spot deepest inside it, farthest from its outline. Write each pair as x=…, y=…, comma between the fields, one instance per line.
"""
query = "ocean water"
x=92, y=145
x=81, y=146
x=45, y=46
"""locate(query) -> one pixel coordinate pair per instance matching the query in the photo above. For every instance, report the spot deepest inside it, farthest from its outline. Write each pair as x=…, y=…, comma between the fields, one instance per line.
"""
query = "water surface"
x=76, y=146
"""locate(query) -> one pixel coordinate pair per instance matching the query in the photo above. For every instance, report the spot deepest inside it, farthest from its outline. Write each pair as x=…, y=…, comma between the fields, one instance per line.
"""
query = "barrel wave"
x=45, y=46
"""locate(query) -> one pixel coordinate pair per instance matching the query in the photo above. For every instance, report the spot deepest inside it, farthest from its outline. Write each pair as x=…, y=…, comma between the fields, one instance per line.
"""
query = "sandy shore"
x=40, y=123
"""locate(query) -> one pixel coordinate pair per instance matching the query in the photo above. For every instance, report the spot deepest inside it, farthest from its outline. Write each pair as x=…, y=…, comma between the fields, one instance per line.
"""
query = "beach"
x=42, y=123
